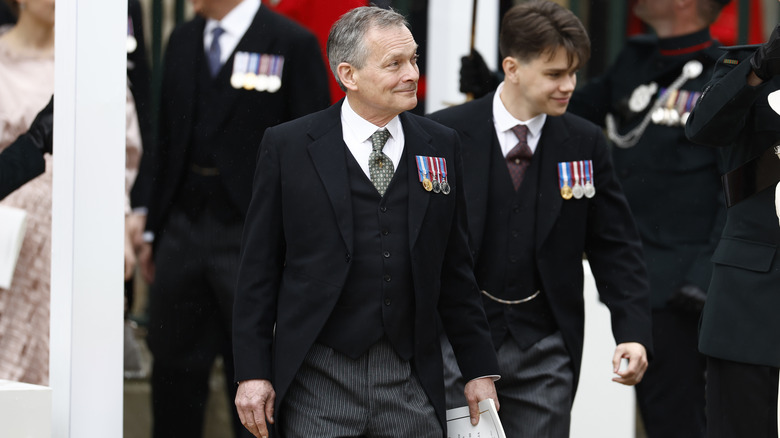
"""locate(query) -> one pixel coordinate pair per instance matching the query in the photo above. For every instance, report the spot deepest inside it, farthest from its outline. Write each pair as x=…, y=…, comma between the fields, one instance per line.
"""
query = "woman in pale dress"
x=26, y=85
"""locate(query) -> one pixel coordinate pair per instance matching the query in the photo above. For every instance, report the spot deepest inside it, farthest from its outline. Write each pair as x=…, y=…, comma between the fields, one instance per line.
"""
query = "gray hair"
x=346, y=41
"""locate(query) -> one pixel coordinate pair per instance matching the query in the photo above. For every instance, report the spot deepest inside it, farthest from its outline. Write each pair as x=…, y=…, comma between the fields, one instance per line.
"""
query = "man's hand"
x=134, y=225
x=255, y=403
x=637, y=363
x=766, y=60
x=477, y=390
x=130, y=259
x=146, y=261
x=41, y=129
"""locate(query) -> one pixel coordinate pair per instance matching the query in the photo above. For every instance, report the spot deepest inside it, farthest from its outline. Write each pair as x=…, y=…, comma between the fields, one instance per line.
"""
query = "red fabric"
x=317, y=16
x=725, y=27
x=634, y=25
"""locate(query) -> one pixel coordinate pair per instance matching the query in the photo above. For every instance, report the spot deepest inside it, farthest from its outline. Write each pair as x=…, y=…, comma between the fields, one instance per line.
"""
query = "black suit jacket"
x=20, y=162
x=139, y=78
x=739, y=321
x=240, y=117
x=600, y=227
x=297, y=245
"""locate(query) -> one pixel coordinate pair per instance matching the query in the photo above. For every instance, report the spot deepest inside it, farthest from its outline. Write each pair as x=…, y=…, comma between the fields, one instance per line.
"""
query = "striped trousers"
x=535, y=390
x=374, y=396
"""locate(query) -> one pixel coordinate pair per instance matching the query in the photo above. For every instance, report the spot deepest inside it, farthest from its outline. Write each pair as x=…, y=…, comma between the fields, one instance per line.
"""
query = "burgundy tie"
x=519, y=158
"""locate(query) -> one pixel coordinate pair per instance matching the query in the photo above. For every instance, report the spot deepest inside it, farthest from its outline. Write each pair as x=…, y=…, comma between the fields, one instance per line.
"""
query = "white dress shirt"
x=235, y=25
x=357, y=135
x=504, y=122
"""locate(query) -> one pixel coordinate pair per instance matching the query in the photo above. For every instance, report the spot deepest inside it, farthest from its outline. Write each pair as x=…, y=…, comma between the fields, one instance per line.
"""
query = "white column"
x=88, y=219
x=449, y=37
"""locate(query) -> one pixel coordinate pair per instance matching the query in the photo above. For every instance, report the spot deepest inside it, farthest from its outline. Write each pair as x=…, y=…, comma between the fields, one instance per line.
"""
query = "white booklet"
x=13, y=223
x=489, y=426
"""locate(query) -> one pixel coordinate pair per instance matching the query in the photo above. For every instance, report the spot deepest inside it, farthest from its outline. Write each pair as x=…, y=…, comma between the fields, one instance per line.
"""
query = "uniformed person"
x=740, y=330
x=673, y=187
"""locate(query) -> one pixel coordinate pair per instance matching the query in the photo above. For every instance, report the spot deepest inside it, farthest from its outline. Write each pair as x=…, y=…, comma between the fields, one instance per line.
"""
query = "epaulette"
x=740, y=47
x=733, y=55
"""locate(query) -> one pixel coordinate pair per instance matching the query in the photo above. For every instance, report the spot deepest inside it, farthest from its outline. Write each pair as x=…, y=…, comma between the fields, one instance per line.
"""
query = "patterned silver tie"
x=380, y=167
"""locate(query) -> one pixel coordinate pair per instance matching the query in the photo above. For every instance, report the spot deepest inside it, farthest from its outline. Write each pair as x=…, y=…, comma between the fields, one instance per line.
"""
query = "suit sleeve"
x=614, y=251
x=19, y=163
x=140, y=82
x=260, y=268
x=460, y=303
x=155, y=156
x=719, y=117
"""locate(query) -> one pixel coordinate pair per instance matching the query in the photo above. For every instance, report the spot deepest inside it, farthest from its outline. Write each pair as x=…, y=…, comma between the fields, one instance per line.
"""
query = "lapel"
x=185, y=67
x=416, y=142
x=260, y=37
x=556, y=142
x=328, y=153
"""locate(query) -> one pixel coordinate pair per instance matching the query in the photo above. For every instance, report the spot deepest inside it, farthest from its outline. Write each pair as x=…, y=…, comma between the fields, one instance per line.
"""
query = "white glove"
x=777, y=200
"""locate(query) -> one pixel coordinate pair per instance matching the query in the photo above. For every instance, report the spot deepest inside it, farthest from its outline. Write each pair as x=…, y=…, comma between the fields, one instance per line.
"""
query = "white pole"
x=449, y=36
x=88, y=219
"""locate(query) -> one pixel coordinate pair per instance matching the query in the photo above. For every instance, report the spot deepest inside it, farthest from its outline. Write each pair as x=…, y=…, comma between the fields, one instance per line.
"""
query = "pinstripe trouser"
x=376, y=395
x=535, y=390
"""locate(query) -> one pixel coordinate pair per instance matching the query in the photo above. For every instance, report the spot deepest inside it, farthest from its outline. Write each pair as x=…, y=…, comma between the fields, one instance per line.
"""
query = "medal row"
x=433, y=174
x=255, y=71
x=575, y=179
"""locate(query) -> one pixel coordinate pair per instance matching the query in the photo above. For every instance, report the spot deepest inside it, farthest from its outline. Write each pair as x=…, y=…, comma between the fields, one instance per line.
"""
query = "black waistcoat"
x=378, y=296
x=506, y=263
x=201, y=192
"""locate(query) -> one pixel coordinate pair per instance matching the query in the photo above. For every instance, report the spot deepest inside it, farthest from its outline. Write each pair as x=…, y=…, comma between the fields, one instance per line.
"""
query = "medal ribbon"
x=563, y=175
x=443, y=167
x=276, y=66
x=589, y=171
x=576, y=172
x=252, y=63
x=422, y=170
x=265, y=61
x=434, y=170
x=240, y=62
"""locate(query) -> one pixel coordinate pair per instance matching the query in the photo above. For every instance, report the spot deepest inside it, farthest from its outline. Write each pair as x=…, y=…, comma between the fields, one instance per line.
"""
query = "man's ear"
x=347, y=75
x=510, y=66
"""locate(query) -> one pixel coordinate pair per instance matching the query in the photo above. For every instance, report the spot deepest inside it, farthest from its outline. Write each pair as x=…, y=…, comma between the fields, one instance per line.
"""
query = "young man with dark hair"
x=541, y=192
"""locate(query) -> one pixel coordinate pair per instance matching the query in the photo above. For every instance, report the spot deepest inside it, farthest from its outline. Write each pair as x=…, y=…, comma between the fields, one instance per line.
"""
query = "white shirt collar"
x=357, y=133
x=505, y=121
x=235, y=24
x=362, y=129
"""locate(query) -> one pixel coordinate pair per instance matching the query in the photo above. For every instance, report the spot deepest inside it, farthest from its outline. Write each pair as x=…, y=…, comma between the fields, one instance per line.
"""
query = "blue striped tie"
x=215, y=53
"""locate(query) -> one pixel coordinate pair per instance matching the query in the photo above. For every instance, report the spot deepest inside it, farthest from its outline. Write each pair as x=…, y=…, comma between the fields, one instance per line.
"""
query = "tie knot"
x=521, y=132
x=217, y=32
x=379, y=138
